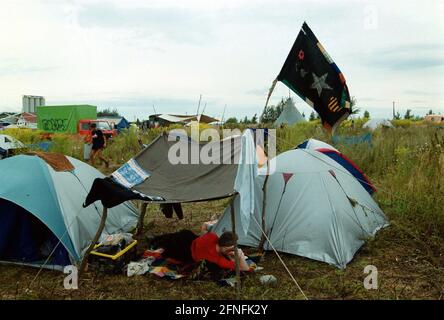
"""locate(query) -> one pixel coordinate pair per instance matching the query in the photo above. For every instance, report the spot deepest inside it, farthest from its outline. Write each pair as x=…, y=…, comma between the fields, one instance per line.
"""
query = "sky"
x=133, y=54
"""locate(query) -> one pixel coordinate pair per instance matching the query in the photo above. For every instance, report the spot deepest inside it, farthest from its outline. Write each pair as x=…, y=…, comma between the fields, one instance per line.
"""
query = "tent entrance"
x=24, y=239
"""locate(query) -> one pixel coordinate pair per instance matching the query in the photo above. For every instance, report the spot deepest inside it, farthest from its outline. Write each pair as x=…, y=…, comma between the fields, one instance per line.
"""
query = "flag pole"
x=94, y=241
x=264, y=203
x=236, y=254
x=269, y=94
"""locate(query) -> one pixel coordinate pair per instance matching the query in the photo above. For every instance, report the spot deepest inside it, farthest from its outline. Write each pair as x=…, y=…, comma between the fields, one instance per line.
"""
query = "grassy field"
x=406, y=164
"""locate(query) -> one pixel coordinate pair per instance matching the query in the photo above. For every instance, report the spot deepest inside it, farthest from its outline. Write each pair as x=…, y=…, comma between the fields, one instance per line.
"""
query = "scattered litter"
x=140, y=267
x=268, y=279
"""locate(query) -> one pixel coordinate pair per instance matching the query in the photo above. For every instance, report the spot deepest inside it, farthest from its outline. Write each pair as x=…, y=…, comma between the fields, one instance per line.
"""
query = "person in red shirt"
x=187, y=247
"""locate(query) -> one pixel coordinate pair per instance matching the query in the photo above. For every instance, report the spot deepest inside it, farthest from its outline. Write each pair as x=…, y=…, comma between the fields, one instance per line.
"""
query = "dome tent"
x=41, y=208
x=314, y=208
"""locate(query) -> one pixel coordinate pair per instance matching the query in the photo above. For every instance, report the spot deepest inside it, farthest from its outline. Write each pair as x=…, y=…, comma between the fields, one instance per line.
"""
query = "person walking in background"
x=98, y=140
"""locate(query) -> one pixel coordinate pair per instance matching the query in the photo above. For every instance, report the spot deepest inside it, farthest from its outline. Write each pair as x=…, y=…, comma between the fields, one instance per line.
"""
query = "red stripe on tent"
x=322, y=150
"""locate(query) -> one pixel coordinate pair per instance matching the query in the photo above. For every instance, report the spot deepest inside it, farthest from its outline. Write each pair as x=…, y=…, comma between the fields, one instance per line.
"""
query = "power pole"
x=223, y=114
x=198, y=106
x=393, y=110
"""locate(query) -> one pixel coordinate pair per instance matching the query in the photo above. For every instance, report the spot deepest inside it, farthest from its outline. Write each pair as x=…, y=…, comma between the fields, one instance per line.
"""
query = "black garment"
x=168, y=208
x=112, y=194
x=98, y=139
x=176, y=245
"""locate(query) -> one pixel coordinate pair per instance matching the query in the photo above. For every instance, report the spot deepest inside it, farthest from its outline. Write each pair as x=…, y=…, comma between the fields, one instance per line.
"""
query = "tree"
x=366, y=114
x=271, y=113
x=108, y=113
x=312, y=116
x=430, y=112
x=408, y=114
x=397, y=116
x=254, y=119
x=231, y=120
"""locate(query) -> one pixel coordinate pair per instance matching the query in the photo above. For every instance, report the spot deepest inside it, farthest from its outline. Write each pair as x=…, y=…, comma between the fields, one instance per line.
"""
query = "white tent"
x=289, y=114
x=372, y=124
x=314, y=208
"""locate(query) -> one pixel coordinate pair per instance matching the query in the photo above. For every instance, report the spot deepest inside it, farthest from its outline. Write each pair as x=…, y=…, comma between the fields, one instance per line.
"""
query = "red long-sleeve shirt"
x=204, y=248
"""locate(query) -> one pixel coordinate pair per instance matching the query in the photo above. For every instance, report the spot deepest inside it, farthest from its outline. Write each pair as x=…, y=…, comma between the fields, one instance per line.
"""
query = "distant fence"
x=352, y=140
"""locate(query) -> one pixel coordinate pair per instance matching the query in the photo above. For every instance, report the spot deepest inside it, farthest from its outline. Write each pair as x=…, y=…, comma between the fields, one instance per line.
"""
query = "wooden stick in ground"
x=96, y=238
x=264, y=203
x=236, y=254
x=141, y=218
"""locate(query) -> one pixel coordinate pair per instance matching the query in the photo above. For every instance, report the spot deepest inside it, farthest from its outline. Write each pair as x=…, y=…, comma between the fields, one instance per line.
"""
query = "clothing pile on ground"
x=154, y=263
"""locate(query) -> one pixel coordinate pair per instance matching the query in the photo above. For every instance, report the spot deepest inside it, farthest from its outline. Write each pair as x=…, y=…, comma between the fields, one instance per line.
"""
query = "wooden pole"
x=264, y=203
x=141, y=218
x=96, y=238
x=198, y=106
x=236, y=254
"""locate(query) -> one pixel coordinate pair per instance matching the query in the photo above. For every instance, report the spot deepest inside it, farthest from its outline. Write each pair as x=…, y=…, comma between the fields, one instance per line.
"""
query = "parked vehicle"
x=105, y=126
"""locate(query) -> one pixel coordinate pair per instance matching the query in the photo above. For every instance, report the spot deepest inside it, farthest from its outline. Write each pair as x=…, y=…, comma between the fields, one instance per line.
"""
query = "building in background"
x=27, y=120
x=30, y=103
x=161, y=120
x=435, y=118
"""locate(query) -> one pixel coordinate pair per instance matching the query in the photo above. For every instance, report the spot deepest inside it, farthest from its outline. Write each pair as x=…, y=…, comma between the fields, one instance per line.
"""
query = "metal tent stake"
x=96, y=238
x=236, y=254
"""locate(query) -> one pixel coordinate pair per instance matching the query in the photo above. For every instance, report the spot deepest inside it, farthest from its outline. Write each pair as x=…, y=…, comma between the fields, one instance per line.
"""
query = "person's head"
x=93, y=125
x=225, y=244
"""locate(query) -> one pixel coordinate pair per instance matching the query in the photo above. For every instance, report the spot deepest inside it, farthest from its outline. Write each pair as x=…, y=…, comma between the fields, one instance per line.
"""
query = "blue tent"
x=41, y=211
x=118, y=123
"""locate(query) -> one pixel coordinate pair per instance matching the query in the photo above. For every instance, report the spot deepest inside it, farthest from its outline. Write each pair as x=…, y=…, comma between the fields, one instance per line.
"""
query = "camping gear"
x=191, y=178
x=373, y=124
x=314, y=208
x=114, y=239
x=112, y=258
x=289, y=115
x=40, y=205
x=334, y=154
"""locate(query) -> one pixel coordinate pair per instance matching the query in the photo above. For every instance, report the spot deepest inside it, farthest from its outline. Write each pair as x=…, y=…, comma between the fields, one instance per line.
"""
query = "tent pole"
x=96, y=238
x=141, y=218
x=264, y=203
x=236, y=254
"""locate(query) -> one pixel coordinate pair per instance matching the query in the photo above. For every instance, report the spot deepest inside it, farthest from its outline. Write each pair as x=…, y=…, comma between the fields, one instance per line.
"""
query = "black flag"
x=311, y=73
